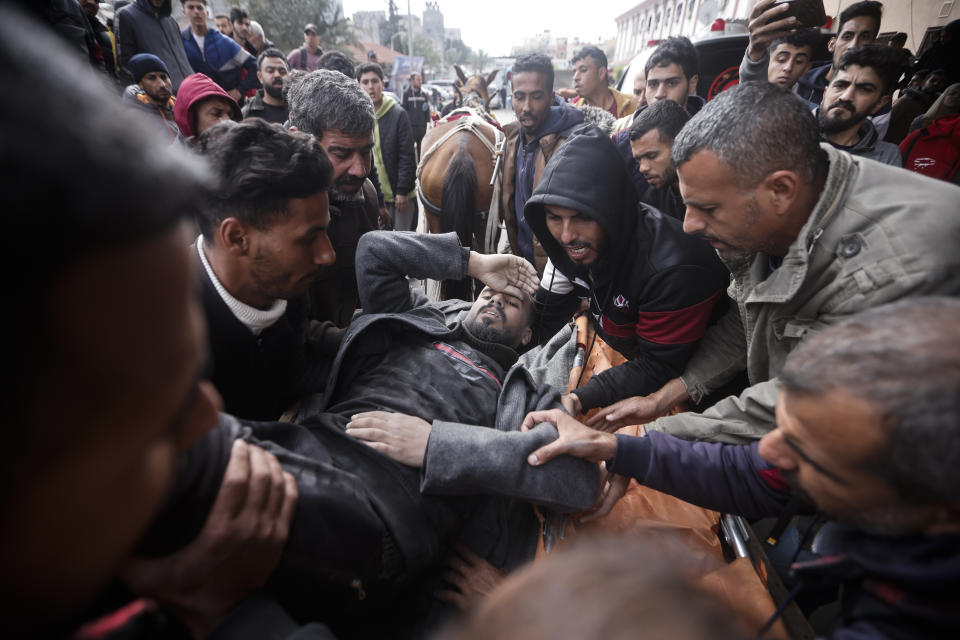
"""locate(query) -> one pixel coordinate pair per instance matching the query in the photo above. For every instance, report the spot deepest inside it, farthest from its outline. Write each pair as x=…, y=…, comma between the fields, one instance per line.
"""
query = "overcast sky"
x=497, y=25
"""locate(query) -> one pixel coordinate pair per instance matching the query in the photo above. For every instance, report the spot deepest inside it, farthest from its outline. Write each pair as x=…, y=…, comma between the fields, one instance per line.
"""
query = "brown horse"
x=455, y=175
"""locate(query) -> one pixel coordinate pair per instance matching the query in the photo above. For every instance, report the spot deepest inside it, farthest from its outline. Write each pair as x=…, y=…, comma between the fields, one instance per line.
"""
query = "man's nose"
x=774, y=450
x=568, y=232
x=692, y=222
x=788, y=65
x=643, y=166
x=358, y=168
x=848, y=93
x=661, y=92
x=325, y=255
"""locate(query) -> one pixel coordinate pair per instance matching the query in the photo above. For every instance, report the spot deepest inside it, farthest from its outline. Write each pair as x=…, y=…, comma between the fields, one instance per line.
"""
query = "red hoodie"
x=193, y=90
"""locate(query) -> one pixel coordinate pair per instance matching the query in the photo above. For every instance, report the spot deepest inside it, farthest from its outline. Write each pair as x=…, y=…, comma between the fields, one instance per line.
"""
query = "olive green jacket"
x=877, y=234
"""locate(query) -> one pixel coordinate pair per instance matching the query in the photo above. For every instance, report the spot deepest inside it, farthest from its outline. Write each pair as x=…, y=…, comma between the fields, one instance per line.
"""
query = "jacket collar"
x=784, y=282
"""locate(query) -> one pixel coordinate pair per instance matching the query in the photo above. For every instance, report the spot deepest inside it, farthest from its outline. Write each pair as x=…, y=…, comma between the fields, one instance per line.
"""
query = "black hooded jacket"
x=653, y=289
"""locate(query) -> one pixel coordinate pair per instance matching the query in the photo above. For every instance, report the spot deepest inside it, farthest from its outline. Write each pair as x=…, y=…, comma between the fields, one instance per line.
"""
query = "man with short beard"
x=273, y=73
x=650, y=288
x=340, y=115
x=651, y=136
x=152, y=93
x=862, y=84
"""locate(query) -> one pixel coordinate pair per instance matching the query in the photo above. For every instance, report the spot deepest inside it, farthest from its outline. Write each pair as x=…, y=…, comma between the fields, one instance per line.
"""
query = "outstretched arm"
x=385, y=259
x=729, y=478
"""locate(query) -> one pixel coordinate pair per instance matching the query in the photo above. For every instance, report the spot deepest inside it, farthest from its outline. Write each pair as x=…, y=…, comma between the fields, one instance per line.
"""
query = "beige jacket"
x=877, y=234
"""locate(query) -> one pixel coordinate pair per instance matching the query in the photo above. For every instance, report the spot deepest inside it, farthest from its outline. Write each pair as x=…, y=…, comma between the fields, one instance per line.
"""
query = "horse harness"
x=465, y=119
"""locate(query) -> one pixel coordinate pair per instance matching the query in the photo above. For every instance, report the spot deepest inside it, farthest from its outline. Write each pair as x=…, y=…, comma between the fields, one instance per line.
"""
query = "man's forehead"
x=649, y=141
x=529, y=80
x=338, y=139
x=792, y=50
x=523, y=300
x=666, y=72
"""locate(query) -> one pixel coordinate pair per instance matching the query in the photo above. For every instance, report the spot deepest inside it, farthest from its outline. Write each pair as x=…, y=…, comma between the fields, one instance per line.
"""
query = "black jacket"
x=417, y=106
x=396, y=147
x=260, y=377
x=653, y=289
x=366, y=527
x=143, y=28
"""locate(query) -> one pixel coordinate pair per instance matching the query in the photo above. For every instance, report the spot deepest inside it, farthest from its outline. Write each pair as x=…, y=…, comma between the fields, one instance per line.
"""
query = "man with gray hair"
x=811, y=235
x=340, y=115
x=889, y=378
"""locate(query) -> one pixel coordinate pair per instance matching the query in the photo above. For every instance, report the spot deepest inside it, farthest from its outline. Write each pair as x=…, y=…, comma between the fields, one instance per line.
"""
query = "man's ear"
x=880, y=104
x=526, y=336
x=233, y=235
x=780, y=189
x=259, y=77
x=832, y=44
x=692, y=89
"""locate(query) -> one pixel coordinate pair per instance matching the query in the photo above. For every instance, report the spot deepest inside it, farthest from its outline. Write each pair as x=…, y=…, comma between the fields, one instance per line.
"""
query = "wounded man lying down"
x=415, y=443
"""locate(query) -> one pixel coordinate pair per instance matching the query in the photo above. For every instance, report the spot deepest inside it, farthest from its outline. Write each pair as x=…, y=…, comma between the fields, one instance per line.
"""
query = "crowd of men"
x=232, y=415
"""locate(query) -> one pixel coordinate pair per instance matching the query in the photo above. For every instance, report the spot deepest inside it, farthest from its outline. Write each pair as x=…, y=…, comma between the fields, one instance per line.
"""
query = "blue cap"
x=143, y=63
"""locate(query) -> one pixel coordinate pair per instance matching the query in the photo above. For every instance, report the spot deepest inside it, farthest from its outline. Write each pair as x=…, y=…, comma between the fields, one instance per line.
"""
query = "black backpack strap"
x=303, y=58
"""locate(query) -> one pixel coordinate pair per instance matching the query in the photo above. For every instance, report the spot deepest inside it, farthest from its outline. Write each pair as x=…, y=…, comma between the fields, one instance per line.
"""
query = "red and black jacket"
x=652, y=291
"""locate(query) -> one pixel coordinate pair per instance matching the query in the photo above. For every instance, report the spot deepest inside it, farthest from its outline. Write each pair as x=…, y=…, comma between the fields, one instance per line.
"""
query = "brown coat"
x=548, y=145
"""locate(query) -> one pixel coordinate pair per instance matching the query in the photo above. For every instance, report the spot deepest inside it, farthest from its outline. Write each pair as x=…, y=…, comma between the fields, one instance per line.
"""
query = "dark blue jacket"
x=893, y=587
x=222, y=60
x=562, y=116
x=810, y=86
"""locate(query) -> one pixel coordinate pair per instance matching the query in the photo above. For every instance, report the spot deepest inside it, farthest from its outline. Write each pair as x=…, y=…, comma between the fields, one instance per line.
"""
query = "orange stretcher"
x=743, y=584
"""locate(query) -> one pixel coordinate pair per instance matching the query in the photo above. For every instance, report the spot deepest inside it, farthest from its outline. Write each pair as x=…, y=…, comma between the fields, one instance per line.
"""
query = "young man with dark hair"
x=590, y=81
x=782, y=60
x=542, y=124
x=862, y=84
x=272, y=72
x=651, y=136
x=146, y=26
x=153, y=93
x=393, y=151
x=307, y=57
x=672, y=72
x=650, y=288
x=887, y=478
x=240, y=21
x=263, y=240
x=806, y=231
x=217, y=57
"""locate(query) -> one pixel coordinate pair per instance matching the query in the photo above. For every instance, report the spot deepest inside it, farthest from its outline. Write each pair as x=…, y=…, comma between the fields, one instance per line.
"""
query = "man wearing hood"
x=145, y=26
x=393, y=149
x=862, y=84
x=651, y=288
x=202, y=104
x=541, y=126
